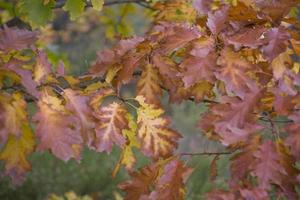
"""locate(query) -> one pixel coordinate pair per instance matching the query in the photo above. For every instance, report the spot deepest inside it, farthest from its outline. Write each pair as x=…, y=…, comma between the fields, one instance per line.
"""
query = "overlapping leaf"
x=148, y=85
x=111, y=121
x=157, y=139
x=57, y=129
x=15, y=154
x=13, y=115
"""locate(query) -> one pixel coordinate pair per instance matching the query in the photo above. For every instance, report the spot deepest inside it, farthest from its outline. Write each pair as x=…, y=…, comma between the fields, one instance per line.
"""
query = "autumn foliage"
x=241, y=57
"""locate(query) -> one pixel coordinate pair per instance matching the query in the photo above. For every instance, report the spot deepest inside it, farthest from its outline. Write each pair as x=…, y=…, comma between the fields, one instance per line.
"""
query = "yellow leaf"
x=157, y=139
x=13, y=115
x=97, y=4
x=15, y=154
x=127, y=157
x=148, y=85
x=279, y=64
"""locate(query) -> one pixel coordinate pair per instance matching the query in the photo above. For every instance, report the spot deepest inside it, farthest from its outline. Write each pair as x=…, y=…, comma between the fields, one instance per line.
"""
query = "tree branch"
x=61, y=3
x=206, y=153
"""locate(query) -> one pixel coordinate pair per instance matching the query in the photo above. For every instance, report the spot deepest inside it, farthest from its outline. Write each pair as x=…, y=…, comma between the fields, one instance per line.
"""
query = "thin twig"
x=276, y=121
x=61, y=3
x=206, y=153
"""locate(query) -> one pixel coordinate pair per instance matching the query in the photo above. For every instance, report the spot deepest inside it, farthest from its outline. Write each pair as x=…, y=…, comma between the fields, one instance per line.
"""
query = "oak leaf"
x=111, y=121
x=57, y=129
x=149, y=85
x=293, y=138
x=268, y=169
x=16, y=39
x=157, y=139
x=236, y=121
x=234, y=73
x=15, y=154
x=275, y=40
x=78, y=104
x=216, y=20
x=12, y=116
x=243, y=162
x=127, y=157
x=42, y=67
x=170, y=185
x=203, y=6
x=142, y=182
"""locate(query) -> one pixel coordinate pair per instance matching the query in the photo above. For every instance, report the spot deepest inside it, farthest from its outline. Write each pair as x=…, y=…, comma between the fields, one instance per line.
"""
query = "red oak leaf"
x=246, y=37
x=201, y=63
x=236, y=121
x=16, y=39
x=243, y=162
x=26, y=76
x=276, y=42
x=42, y=67
x=108, y=57
x=57, y=129
x=275, y=9
x=234, y=73
x=78, y=104
x=170, y=186
x=253, y=193
x=142, y=182
x=174, y=36
x=268, y=169
x=216, y=20
x=199, y=69
x=202, y=6
x=293, y=139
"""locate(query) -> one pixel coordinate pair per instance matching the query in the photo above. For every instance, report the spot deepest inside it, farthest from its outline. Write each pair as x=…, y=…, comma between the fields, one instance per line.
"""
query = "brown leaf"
x=12, y=115
x=78, y=104
x=15, y=154
x=276, y=42
x=242, y=163
x=141, y=183
x=213, y=173
x=268, y=169
x=149, y=85
x=42, y=67
x=107, y=58
x=112, y=120
x=236, y=121
x=216, y=20
x=157, y=139
x=202, y=6
x=57, y=129
x=200, y=64
x=234, y=73
x=16, y=39
x=247, y=37
x=170, y=185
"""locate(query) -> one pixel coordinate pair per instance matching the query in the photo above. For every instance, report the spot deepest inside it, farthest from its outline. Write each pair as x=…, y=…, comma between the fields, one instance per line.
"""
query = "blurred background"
x=76, y=43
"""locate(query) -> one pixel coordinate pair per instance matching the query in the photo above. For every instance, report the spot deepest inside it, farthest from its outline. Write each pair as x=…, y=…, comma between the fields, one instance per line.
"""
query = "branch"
x=206, y=153
x=61, y=3
x=275, y=121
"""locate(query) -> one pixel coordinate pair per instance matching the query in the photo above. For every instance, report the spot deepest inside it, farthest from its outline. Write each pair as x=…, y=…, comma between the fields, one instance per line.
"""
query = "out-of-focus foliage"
x=236, y=60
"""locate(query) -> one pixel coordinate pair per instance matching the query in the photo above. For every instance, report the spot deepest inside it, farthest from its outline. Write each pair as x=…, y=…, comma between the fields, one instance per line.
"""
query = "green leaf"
x=74, y=7
x=38, y=14
x=97, y=4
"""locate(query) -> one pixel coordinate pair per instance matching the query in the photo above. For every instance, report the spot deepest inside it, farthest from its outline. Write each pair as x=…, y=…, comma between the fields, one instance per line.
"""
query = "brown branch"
x=206, y=153
x=275, y=121
x=61, y=3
